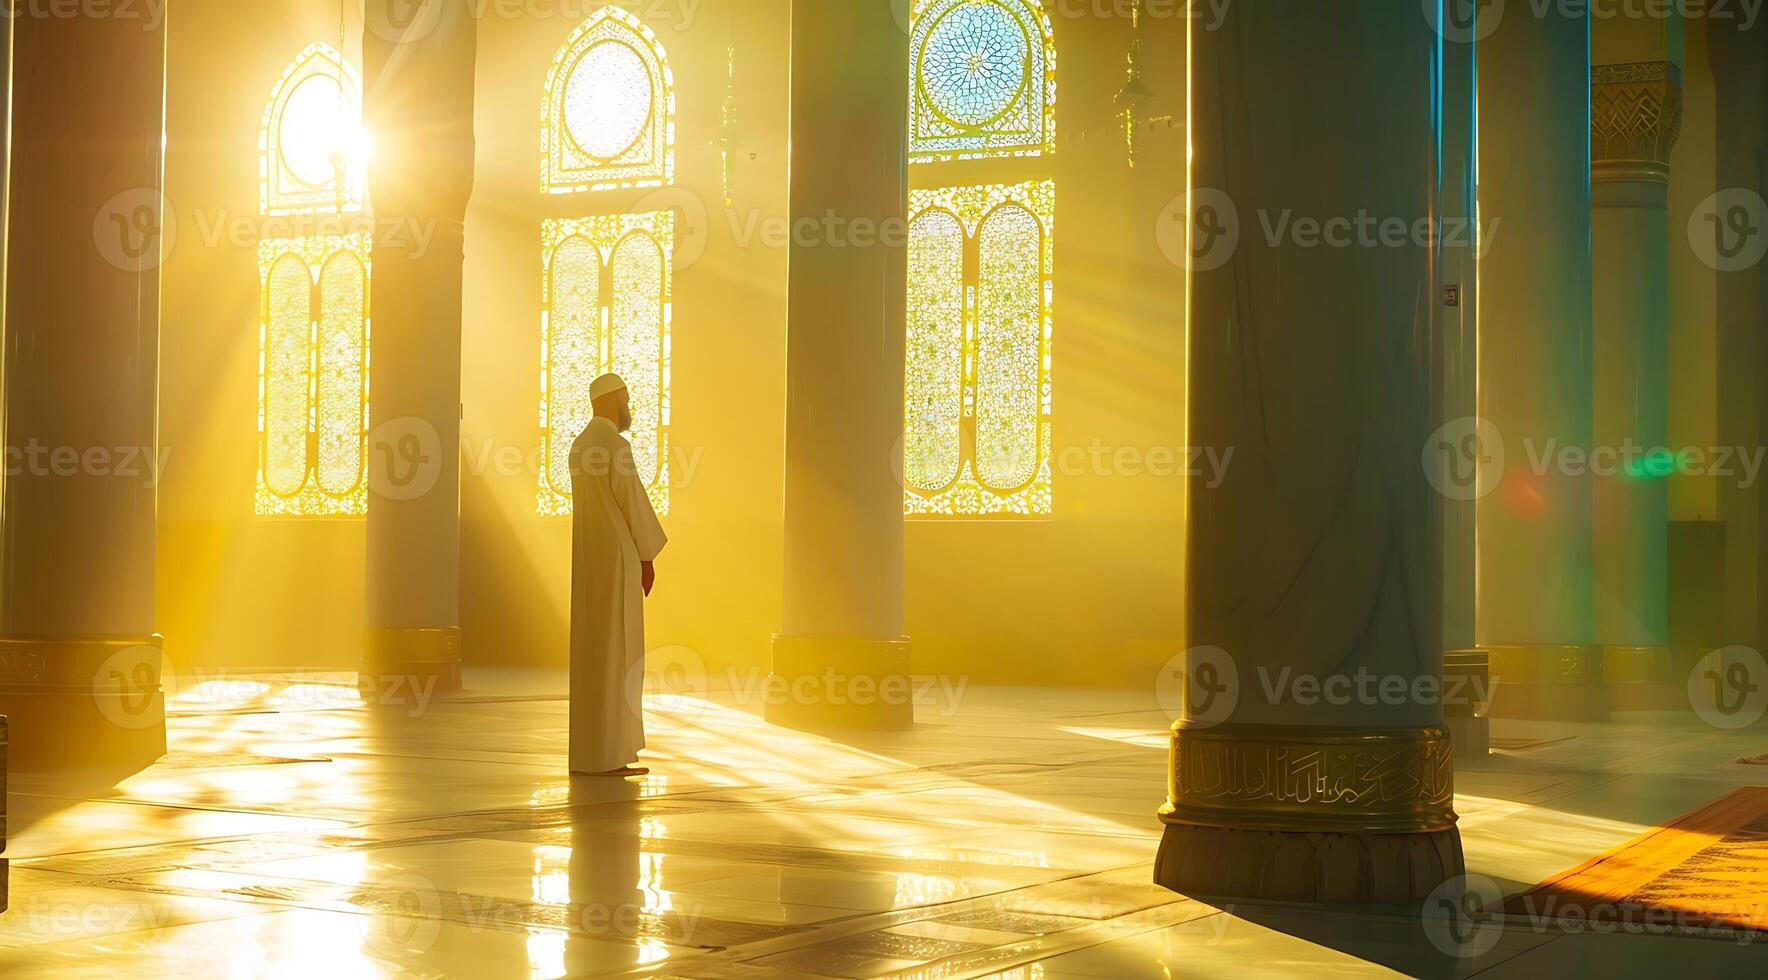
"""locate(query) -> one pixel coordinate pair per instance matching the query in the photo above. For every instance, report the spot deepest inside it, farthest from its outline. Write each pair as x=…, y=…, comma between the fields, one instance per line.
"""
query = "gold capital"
x=1635, y=118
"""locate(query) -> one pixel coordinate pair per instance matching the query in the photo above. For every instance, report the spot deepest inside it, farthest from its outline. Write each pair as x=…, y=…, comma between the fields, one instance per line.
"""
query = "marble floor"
x=295, y=832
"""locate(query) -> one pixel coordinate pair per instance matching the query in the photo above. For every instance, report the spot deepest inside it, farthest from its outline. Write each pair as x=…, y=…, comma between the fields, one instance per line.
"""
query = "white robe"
x=613, y=530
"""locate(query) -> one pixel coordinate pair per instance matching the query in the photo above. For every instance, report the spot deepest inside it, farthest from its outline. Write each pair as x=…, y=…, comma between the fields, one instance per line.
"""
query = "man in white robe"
x=615, y=537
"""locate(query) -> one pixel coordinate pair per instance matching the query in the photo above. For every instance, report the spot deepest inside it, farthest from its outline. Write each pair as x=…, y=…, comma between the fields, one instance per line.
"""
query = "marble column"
x=418, y=62
x=840, y=659
x=1536, y=581
x=1315, y=577
x=1459, y=295
x=1636, y=115
x=1740, y=77
x=80, y=663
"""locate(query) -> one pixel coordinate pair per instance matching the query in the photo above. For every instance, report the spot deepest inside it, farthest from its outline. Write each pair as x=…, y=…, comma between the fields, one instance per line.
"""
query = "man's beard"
x=625, y=420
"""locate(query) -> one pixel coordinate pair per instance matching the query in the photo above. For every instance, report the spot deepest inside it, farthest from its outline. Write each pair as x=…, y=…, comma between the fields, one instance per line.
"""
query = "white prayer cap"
x=607, y=384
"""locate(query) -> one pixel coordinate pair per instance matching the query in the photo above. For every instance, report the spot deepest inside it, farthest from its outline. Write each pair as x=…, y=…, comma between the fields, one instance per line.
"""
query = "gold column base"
x=83, y=703
x=1309, y=815
x=840, y=683
x=1641, y=679
x=1326, y=868
x=1544, y=682
x=409, y=660
x=1466, y=710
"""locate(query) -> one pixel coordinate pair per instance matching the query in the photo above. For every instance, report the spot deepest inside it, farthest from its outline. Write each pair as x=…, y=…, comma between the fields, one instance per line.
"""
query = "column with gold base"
x=1543, y=682
x=1635, y=118
x=1354, y=816
x=1311, y=762
x=87, y=229
x=841, y=643
x=1536, y=532
x=418, y=62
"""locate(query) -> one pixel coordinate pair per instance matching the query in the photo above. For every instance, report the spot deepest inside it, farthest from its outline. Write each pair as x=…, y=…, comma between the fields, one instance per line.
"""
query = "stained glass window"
x=313, y=376
x=982, y=80
x=981, y=293
x=312, y=148
x=313, y=323
x=606, y=307
x=609, y=115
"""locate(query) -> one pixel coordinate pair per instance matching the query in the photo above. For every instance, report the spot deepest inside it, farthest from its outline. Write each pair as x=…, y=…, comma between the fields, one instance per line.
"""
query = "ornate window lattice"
x=607, y=307
x=977, y=430
x=313, y=324
x=312, y=148
x=313, y=376
x=982, y=80
x=608, y=119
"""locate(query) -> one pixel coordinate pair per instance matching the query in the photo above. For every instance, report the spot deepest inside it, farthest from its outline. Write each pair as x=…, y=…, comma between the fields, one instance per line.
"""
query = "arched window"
x=610, y=108
x=978, y=401
x=977, y=437
x=312, y=147
x=313, y=325
x=982, y=80
x=606, y=278
x=606, y=307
